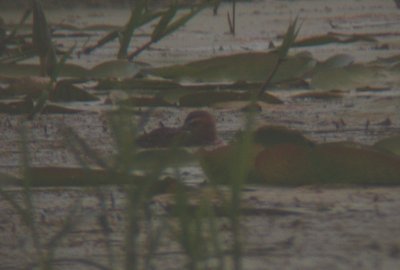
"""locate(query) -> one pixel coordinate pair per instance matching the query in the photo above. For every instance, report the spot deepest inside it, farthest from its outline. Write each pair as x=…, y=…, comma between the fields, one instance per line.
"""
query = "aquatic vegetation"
x=269, y=155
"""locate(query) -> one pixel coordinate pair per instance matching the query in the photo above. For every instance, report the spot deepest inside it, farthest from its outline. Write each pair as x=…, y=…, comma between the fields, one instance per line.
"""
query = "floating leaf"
x=58, y=109
x=344, y=78
x=208, y=98
x=391, y=144
x=19, y=70
x=115, y=69
x=333, y=38
x=157, y=84
x=388, y=61
x=373, y=89
x=9, y=180
x=32, y=86
x=17, y=107
x=145, y=101
x=25, y=70
x=337, y=61
x=238, y=67
x=319, y=95
x=65, y=91
x=137, y=84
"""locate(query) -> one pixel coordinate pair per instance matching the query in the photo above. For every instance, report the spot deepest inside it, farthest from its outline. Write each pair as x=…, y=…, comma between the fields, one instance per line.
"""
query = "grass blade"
x=127, y=33
x=283, y=50
x=41, y=38
x=163, y=23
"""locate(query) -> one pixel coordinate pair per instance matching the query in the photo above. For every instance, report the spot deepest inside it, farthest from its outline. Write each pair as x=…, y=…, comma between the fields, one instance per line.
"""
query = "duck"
x=217, y=162
x=281, y=156
x=198, y=129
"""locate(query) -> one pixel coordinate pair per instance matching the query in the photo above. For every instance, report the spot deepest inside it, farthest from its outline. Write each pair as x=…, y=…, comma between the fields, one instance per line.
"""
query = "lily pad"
x=391, y=144
x=66, y=91
x=328, y=95
x=251, y=67
x=137, y=84
x=145, y=101
x=25, y=70
x=334, y=38
x=32, y=86
x=159, y=85
x=17, y=107
x=209, y=98
x=337, y=61
x=344, y=78
x=58, y=109
x=115, y=69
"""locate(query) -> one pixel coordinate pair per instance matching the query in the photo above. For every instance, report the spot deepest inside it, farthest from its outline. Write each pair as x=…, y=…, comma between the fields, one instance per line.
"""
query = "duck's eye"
x=192, y=121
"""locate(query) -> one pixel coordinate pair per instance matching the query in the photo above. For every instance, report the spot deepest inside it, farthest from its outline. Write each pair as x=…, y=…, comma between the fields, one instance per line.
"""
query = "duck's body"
x=198, y=129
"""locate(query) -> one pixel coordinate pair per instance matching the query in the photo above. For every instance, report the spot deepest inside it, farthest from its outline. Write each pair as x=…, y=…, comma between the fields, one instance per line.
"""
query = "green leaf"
x=337, y=61
x=327, y=95
x=291, y=34
x=202, y=99
x=344, y=78
x=144, y=101
x=26, y=70
x=41, y=38
x=250, y=67
x=333, y=38
x=115, y=69
x=65, y=91
x=391, y=144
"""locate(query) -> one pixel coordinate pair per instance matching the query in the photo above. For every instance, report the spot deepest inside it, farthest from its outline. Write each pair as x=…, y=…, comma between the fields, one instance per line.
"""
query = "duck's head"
x=200, y=126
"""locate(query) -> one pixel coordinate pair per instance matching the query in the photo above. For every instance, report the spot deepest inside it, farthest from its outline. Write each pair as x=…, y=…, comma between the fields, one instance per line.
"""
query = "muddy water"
x=345, y=228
